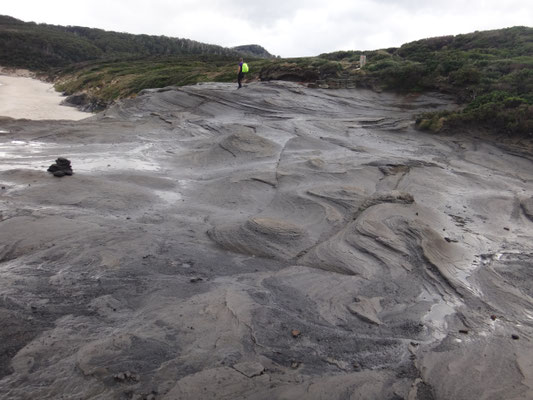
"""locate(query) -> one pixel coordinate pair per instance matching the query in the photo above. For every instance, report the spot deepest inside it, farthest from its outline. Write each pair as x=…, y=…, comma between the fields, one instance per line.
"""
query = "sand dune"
x=274, y=242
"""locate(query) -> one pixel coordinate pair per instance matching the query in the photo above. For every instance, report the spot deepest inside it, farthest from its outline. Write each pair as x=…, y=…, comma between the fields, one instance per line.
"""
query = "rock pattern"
x=267, y=243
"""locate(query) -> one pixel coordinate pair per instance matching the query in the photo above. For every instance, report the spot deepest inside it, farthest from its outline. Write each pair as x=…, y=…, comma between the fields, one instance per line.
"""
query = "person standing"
x=240, y=74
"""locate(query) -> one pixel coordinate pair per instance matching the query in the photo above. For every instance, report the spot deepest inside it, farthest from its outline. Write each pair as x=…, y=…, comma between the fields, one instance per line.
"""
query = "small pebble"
x=464, y=331
x=515, y=337
x=295, y=333
x=493, y=317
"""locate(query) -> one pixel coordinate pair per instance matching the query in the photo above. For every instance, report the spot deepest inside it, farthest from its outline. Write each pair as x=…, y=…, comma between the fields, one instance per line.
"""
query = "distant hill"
x=253, y=50
x=41, y=46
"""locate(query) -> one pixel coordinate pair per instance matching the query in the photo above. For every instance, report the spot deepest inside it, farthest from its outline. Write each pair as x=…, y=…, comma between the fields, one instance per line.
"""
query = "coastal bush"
x=498, y=111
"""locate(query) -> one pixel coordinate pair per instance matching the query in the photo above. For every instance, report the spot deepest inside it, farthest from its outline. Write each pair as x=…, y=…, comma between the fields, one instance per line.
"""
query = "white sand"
x=24, y=97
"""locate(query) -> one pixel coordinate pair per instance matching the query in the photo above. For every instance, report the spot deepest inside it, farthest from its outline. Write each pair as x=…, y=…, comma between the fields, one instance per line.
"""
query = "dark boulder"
x=83, y=102
x=61, y=167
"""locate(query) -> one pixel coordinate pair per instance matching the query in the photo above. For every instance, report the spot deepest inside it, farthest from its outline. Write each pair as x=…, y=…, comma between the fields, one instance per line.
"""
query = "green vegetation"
x=490, y=73
x=111, y=80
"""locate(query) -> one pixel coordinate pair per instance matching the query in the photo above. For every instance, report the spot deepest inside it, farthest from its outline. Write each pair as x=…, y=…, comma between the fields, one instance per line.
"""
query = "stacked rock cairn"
x=60, y=168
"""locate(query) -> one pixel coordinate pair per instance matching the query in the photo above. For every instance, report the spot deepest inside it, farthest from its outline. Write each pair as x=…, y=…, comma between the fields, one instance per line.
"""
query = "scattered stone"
x=515, y=337
x=295, y=364
x=197, y=279
x=3, y=188
x=463, y=331
x=295, y=333
x=345, y=366
x=493, y=317
x=249, y=369
x=507, y=229
x=121, y=377
x=132, y=377
x=126, y=376
x=61, y=168
x=366, y=309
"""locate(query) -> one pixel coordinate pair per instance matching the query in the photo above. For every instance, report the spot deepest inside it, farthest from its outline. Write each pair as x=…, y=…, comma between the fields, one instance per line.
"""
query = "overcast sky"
x=289, y=28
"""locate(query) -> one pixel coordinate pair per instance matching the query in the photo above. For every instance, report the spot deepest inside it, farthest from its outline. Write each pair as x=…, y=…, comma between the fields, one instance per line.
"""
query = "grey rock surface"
x=205, y=226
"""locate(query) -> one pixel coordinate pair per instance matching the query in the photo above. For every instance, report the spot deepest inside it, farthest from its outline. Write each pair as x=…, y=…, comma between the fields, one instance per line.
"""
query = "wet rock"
x=61, y=167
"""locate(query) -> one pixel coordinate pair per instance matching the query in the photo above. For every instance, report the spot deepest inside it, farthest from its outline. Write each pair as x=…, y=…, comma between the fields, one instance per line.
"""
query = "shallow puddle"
x=18, y=154
x=112, y=163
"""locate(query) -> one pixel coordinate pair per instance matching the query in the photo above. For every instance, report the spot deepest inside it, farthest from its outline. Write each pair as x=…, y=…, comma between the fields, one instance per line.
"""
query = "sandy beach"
x=24, y=97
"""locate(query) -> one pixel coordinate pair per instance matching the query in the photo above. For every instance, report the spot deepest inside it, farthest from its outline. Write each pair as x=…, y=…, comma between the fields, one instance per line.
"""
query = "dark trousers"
x=239, y=78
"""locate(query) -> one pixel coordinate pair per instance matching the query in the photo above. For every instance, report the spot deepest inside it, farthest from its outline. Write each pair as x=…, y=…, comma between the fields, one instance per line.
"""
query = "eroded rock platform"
x=275, y=242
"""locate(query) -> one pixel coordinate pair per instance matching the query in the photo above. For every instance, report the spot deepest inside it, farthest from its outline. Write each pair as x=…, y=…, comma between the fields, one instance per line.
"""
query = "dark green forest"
x=43, y=46
x=489, y=73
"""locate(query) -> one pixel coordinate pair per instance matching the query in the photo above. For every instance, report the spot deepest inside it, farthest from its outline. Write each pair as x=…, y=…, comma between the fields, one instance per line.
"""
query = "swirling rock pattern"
x=272, y=242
